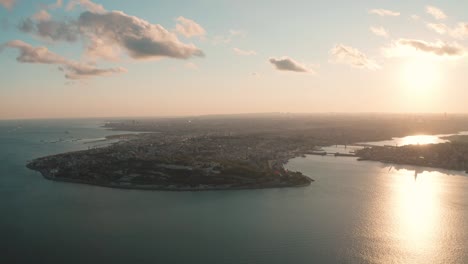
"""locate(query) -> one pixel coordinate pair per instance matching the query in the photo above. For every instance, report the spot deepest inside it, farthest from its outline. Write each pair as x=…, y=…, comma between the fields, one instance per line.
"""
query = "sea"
x=354, y=212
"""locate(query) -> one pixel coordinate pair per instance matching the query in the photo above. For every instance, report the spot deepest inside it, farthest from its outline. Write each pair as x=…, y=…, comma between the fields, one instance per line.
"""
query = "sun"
x=420, y=76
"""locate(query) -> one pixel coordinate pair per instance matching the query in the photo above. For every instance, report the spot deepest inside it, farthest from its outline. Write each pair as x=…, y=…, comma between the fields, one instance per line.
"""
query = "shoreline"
x=169, y=189
x=413, y=165
x=136, y=149
x=123, y=137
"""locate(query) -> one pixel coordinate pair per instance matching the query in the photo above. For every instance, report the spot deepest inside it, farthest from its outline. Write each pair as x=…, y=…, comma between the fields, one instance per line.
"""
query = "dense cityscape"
x=156, y=161
x=238, y=152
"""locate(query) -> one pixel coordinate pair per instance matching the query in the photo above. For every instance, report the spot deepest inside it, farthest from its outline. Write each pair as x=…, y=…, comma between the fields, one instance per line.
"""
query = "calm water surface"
x=355, y=212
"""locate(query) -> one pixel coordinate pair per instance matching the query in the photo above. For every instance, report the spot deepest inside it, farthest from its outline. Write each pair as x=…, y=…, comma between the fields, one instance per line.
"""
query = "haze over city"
x=163, y=58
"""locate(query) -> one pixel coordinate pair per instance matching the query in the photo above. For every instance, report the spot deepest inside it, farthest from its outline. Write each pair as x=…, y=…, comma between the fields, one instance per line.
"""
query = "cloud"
x=288, y=64
x=51, y=30
x=72, y=69
x=30, y=54
x=86, y=4
x=343, y=54
x=438, y=27
x=379, y=31
x=189, y=28
x=415, y=17
x=76, y=71
x=8, y=4
x=27, y=25
x=141, y=39
x=414, y=47
x=98, y=48
x=227, y=39
x=42, y=15
x=384, y=12
x=439, y=48
x=106, y=34
x=244, y=52
x=436, y=12
x=458, y=32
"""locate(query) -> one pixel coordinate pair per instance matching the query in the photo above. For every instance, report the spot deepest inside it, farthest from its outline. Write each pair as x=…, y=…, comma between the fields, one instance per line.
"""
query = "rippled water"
x=355, y=212
x=399, y=215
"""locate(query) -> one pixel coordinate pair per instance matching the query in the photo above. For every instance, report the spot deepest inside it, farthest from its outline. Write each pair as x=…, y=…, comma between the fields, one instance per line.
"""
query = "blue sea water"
x=355, y=212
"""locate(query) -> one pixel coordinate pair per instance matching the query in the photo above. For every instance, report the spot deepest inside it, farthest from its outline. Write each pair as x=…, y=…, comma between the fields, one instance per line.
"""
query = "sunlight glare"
x=421, y=140
x=417, y=209
x=420, y=76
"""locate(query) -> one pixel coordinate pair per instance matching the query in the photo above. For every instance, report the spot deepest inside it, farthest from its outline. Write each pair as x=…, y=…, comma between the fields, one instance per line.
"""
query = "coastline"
x=446, y=156
x=413, y=165
x=167, y=188
x=46, y=173
x=147, y=157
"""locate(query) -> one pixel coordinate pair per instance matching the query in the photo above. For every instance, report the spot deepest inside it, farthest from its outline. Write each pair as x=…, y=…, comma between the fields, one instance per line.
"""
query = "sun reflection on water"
x=416, y=215
x=420, y=140
x=412, y=140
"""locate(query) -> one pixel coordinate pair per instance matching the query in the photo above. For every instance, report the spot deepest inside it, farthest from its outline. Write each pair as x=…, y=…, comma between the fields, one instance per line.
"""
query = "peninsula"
x=178, y=163
x=233, y=152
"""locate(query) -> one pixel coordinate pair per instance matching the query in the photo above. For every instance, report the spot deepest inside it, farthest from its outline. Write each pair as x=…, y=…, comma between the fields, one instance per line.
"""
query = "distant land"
x=451, y=156
x=457, y=138
x=238, y=151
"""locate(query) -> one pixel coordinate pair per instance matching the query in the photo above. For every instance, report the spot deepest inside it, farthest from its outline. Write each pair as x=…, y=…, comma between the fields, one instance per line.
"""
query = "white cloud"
x=437, y=13
x=287, y=64
x=438, y=27
x=379, y=31
x=106, y=34
x=86, y=4
x=42, y=15
x=415, y=17
x=72, y=69
x=97, y=48
x=459, y=32
x=139, y=38
x=8, y=4
x=189, y=28
x=384, y=12
x=30, y=54
x=343, y=54
x=244, y=52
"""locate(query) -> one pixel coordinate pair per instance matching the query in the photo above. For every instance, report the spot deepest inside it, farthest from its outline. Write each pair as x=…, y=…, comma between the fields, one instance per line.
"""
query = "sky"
x=105, y=58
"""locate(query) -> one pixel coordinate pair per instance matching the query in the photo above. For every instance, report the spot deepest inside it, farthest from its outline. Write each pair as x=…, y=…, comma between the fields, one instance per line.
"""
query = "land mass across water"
x=165, y=162
x=450, y=156
x=225, y=152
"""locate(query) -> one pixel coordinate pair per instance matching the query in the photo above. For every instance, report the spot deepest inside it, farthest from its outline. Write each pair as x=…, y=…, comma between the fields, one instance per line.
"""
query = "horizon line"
x=231, y=114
